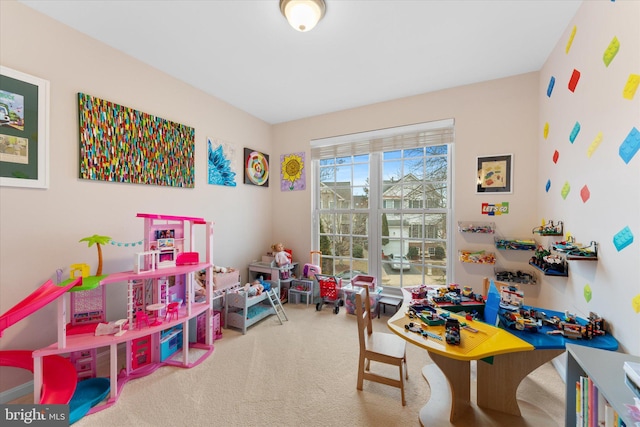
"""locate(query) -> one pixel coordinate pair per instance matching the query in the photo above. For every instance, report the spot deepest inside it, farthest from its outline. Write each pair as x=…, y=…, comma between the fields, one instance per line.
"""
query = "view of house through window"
x=382, y=205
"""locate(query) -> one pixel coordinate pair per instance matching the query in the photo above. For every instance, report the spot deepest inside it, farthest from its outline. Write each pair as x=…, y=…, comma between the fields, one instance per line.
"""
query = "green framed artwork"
x=24, y=130
x=120, y=144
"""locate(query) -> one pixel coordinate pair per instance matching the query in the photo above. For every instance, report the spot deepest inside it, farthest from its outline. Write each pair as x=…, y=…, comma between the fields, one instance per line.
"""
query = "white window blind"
x=404, y=137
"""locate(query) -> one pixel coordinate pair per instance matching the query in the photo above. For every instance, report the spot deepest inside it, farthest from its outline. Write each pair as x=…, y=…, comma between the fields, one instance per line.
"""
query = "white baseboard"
x=16, y=392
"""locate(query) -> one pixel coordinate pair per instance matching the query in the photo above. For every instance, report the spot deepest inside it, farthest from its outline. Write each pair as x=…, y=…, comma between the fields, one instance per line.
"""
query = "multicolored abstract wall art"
x=292, y=172
x=120, y=144
x=256, y=168
x=219, y=159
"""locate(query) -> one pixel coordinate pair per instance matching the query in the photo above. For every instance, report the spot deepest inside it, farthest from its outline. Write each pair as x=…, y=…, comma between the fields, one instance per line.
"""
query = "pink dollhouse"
x=161, y=308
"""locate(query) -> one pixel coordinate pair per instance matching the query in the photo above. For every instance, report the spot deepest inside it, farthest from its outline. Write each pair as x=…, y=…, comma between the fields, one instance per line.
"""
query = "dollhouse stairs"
x=274, y=299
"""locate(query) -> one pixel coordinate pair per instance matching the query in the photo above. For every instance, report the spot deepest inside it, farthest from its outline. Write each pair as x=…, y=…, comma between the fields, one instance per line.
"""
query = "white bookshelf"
x=605, y=368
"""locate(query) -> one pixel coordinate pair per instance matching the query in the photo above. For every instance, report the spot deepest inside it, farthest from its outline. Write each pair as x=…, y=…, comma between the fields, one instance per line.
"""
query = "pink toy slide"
x=42, y=296
x=59, y=375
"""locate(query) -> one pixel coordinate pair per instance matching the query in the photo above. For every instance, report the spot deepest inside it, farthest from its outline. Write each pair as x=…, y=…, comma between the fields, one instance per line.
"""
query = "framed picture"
x=146, y=149
x=292, y=172
x=165, y=243
x=24, y=130
x=165, y=234
x=495, y=174
x=256, y=168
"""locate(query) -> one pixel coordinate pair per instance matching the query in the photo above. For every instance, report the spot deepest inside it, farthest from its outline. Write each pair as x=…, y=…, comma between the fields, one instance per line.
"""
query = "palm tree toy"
x=98, y=240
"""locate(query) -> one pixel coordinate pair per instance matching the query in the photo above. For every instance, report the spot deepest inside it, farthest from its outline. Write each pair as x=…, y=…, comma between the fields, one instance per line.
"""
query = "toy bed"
x=242, y=311
x=224, y=281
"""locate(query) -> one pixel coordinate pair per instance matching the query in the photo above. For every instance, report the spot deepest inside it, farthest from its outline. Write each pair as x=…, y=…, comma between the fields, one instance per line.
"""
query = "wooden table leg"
x=458, y=375
x=499, y=381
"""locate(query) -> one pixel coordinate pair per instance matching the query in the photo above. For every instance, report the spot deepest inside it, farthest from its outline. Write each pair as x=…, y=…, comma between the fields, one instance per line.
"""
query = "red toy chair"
x=141, y=317
x=172, y=310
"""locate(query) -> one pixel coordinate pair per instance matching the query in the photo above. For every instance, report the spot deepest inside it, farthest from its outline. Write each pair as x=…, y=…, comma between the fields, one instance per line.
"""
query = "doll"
x=254, y=288
x=282, y=259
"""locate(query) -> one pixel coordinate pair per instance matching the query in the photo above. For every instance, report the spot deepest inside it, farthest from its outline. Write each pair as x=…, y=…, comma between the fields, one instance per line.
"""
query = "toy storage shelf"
x=605, y=369
x=523, y=277
x=550, y=229
x=242, y=311
x=477, y=257
x=476, y=227
x=552, y=272
x=577, y=252
x=300, y=288
x=515, y=244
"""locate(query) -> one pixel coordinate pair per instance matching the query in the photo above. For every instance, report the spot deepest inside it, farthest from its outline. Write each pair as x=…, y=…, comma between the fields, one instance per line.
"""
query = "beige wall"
x=598, y=105
x=496, y=117
x=40, y=229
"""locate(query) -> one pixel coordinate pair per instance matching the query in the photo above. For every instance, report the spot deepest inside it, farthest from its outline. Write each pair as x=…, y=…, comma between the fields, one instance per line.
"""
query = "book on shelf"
x=592, y=409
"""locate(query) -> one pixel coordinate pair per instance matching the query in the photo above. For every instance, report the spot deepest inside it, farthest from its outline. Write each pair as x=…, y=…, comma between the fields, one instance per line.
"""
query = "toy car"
x=452, y=331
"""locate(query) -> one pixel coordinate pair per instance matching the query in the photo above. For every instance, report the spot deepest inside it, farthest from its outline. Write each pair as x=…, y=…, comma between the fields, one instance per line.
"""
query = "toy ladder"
x=274, y=299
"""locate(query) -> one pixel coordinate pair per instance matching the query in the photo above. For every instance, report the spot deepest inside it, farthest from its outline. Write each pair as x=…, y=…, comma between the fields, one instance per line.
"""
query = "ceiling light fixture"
x=303, y=15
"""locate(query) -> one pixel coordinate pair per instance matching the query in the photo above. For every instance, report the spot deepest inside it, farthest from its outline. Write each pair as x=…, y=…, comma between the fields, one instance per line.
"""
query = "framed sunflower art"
x=292, y=172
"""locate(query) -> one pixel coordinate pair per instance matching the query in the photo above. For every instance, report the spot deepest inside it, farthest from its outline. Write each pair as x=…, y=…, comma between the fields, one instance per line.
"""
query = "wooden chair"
x=378, y=347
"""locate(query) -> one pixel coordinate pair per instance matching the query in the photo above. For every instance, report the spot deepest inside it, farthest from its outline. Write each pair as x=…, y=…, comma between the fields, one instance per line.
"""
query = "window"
x=384, y=193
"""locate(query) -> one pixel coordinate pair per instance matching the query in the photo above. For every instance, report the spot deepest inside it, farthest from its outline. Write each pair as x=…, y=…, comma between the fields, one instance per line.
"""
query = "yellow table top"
x=488, y=341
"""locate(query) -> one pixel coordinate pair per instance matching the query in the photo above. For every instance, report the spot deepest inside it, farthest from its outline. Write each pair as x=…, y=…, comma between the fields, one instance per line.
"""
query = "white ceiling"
x=362, y=52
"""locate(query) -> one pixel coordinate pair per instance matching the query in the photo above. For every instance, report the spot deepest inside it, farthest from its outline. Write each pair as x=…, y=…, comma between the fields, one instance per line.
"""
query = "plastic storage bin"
x=350, y=299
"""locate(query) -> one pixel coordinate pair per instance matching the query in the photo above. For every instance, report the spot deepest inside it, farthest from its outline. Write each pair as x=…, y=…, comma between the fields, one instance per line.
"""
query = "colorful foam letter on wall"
x=585, y=194
x=547, y=187
x=623, y=238
x=611, y=52
x=555, y=156
x=630, y=88
x=587, y=292
x=635, y=303
x=574, y=132
x=545, y=131
x=570, y=41
x=573, y=82
x=630, y=145
x=552, y=82
x=566, y=188
x=594, y=144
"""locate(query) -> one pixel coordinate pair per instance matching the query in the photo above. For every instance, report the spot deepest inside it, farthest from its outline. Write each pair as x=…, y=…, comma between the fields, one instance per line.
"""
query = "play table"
x=503, y=358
